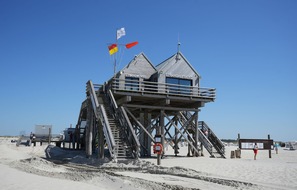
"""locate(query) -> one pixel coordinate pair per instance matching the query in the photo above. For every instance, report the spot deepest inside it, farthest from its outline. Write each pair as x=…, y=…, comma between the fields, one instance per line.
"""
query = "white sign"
x=250, y=145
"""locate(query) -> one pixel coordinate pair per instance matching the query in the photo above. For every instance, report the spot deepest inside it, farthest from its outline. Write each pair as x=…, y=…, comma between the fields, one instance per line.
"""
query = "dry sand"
x=49, y=167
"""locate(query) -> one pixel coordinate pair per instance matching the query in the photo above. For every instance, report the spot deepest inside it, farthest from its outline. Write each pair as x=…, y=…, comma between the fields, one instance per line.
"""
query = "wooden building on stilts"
x=121, y=117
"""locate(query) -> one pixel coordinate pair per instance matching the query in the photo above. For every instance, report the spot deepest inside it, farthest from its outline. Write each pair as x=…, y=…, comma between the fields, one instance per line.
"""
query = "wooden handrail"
x=101, y=116
x=146, y=87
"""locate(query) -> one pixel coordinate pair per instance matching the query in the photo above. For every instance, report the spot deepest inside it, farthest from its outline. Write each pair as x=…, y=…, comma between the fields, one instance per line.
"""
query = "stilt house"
x=141, y=101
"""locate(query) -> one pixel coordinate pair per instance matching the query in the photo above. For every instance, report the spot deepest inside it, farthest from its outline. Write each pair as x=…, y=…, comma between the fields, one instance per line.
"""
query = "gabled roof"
x=140, y=64
x=177, y=58
x=137, y=57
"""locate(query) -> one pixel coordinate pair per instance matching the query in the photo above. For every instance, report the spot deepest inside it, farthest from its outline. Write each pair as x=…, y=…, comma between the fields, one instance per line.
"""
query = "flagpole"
x=114, y=47
x=115, y=59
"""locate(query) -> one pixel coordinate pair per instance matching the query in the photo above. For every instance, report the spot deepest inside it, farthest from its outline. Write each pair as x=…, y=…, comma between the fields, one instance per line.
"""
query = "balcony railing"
x=146, y=87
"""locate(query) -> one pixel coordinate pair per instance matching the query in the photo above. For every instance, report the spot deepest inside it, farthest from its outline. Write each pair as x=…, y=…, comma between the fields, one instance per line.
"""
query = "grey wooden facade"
x=177, y=66
x=139, y=67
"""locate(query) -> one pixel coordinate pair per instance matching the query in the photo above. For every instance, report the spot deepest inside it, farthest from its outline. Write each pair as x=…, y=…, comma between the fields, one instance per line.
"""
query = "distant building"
x=43, y=130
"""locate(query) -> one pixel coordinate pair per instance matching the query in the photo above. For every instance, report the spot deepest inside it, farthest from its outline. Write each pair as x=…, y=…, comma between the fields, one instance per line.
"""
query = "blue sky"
x=247, y=50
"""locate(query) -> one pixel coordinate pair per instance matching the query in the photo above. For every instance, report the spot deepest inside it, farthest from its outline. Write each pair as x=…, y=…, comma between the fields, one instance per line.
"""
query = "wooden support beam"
x=147, y=124
x=184, y=131
x=101, y=141
x=175, y=140
x=190, y=143
x=151, y=124
x=162, y=122
x=167, y=132
x=159, y=107
x=189, y=121
x=202, y=104
x=164, y=101
x=196, y=131
x=124, y=100
x=89, y=131
x=145, y=118
x=160, y=131
x=141, y=135
x=184, y=128
x=139, y=124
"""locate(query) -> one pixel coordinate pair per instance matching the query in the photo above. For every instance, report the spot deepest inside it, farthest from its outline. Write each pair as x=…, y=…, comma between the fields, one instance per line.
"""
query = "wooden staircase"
x=121, y=149
x=218, y=147
x=210, y=141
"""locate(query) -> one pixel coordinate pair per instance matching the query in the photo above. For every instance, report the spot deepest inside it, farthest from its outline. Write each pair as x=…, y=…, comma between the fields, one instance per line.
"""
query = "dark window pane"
x=186, y=86
x=178, y=86
x=185, y=82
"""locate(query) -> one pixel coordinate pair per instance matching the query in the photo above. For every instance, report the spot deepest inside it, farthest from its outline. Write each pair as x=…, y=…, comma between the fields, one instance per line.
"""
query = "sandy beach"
x=50, y=167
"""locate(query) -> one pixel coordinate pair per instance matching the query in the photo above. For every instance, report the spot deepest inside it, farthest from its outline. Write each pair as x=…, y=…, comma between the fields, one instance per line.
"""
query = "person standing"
x=206, y=132
x=255, y=149
x=31, y=138
x=70, y=139
x=276, y=148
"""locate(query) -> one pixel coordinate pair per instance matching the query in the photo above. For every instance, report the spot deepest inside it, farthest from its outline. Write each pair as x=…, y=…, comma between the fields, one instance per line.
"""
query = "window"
x=132, y=83
x=178, y=86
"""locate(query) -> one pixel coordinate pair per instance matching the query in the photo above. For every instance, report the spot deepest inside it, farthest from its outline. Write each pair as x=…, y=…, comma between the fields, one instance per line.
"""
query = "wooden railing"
x=101, y=116
x=146, y=87
x=216, y=142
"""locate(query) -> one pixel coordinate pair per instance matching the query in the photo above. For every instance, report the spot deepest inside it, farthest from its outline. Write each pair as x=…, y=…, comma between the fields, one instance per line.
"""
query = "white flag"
x=120, y=32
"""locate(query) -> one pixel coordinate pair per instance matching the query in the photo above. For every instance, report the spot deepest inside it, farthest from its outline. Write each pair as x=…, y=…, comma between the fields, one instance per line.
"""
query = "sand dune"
x=49, y=167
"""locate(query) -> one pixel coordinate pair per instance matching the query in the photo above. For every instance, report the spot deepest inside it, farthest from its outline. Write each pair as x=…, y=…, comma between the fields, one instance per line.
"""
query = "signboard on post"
x=263, y=144
x=158, y=148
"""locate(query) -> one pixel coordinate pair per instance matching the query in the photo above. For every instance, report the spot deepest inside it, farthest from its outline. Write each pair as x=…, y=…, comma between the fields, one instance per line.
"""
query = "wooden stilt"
x=176, y=140
x=162, y=125
x=142, y=135
x=101, y=142
x=147, y=139
x=196, y=133
x=89, y=132
x=159, y=132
